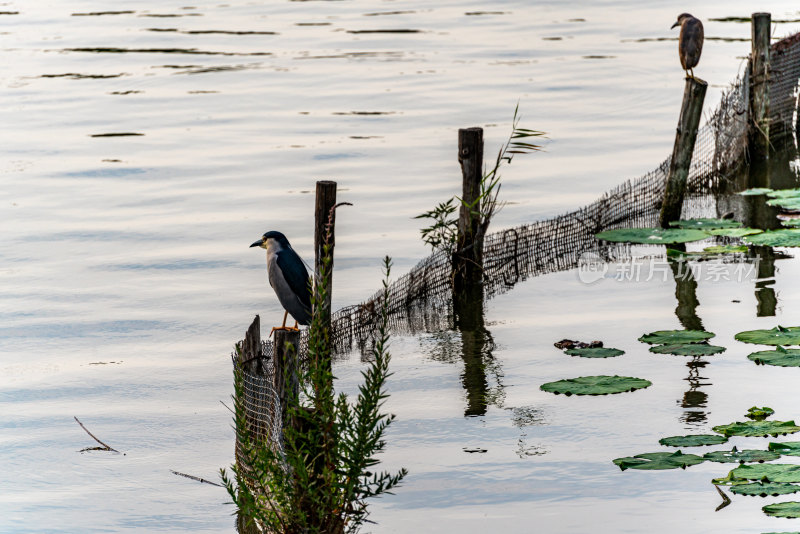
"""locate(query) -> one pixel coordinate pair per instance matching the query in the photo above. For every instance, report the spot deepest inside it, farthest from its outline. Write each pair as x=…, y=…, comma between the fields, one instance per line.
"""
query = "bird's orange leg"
x=281, y=327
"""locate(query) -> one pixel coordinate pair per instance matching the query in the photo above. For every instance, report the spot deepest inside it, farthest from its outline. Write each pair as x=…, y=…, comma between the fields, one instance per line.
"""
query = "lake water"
x=126, y=277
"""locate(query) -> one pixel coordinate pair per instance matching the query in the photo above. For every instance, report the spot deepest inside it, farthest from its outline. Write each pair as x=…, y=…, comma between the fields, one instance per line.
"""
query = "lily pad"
x=789, y=473
x=763, y=489
x=779, y=357
x=789, y=509
x=759, y=414
x=755, y=191
x=595, y=352
x=786, y=448
x=658, y=460
x=785, y=203
x=758, y=429
x=785, y=237
x=706, y=224
x=734, y=232
x=675, y=337
x=784, y=193
x=688, y=349
x=779, y=335
x=791, y=223
x=596, y=385
x=693, y=440
x=651, y=236
x=746, y=456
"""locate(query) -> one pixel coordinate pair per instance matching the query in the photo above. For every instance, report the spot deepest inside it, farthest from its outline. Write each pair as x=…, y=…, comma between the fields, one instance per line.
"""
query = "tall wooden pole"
x=691, y=110
x=758, y=134
x=285, y=379
x=468, y=259
x=325, y=201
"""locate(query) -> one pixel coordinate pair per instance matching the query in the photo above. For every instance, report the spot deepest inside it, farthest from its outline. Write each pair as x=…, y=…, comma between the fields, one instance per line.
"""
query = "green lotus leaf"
x=755, y=191
x=780, y=533
x=759, y=414
x=595, y=385
x=789, y=473
x=658, y=460
x=786, y=448
x=780, y=357
x=675, y=337
x=791, y=223
x=595, y=352
x=789, y=509
x=746, y=456
x=758, y=429
x=729, y=480
x=785, y=237
x=734, y=232
x=652, y=236
x=784, y=193
x=776, y=336
x=785, y=203
x=688, y=349
x=763, y=489
x=693, y=440
x=706, y=224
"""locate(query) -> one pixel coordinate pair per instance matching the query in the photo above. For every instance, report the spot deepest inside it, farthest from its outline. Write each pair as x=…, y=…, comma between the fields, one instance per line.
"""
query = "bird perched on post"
x=288, y=277
x=690, y=42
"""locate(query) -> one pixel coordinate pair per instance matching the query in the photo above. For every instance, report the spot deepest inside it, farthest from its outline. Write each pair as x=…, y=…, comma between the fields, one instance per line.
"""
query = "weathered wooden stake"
x=326, y=199
x=250, y=355
x=285, y=379
x=693, y=97
x=468, y=259
x=758, y=134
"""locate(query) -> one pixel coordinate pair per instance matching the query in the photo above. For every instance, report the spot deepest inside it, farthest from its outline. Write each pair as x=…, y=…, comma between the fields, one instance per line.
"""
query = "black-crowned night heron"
x=288, y=277
x=690, y=42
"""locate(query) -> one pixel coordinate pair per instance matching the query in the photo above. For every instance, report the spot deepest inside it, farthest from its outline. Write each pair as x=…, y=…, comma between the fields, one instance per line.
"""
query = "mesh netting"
x=421, y=300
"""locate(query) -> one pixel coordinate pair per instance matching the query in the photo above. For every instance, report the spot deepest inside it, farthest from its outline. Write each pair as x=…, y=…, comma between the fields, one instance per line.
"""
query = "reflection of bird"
x=690, y=42
x=288, y=277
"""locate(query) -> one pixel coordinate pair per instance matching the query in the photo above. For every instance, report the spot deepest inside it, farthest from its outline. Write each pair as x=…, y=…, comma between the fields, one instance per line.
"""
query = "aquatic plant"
x=789, y=509
x=706, y=224
x=688, y=349
x=595, y=352
x=652, y=236
x=693, y=440
x=443, y=230
x=780, y=335
x=745, y=456
x=786, y=448
x=321, y=479
x=658, y=461
x=595, y=385
x=759, y=414
x=675, y=337
x=784, y=237
x=757, y=428
x=763, y=489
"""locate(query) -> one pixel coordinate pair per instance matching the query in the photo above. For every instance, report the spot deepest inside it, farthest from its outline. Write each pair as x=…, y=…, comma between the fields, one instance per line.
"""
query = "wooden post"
x=250, y=355
x=691, y=111
x=468, y=259
x=758, y=134
x=325, y=201
x=285, y=379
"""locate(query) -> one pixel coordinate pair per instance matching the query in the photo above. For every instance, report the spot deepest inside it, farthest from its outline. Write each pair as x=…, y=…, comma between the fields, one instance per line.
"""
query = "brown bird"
x=690, y=42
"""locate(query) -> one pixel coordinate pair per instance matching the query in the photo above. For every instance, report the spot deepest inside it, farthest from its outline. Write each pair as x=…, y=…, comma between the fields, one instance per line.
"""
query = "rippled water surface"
x=146, y=144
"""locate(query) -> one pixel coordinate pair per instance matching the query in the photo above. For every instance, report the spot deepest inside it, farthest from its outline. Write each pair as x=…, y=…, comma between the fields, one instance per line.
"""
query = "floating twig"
x=195, y=478
x=104, y=446
x=725, y=499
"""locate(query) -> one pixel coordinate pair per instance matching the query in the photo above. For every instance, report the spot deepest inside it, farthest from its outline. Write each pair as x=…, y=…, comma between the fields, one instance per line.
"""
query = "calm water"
x=125, y=273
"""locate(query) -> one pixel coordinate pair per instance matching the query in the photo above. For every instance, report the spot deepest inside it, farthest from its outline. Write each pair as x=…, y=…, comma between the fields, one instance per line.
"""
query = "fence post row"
x=758, y=125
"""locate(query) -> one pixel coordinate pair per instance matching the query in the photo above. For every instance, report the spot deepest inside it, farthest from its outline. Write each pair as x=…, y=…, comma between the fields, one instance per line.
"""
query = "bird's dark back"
x=690, y=44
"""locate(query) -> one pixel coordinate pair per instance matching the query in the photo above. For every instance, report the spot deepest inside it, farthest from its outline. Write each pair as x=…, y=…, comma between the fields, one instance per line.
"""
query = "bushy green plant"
x=321, y=479
x=443, y=231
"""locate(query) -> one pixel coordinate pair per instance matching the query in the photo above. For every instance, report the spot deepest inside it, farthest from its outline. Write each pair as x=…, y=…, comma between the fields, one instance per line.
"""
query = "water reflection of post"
x=476, y=347
x=686, y=293
x=764, y=258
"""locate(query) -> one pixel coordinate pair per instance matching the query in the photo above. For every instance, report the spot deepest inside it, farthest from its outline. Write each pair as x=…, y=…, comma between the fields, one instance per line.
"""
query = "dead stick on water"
x=725, y=499
x=107, y=448
x=195, y=478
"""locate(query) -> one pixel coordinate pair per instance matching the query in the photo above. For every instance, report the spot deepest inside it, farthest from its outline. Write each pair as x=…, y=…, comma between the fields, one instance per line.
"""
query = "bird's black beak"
x=256, y=244
x=676, y=24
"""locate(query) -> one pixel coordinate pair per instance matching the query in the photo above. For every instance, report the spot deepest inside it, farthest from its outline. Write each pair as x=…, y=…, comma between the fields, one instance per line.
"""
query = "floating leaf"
x=595, y=385
x=675, y=337
x=595, y=352
x=780, y=357
x=785, y=237
x=759, y=414
x=726, y=249
x=767, y=472
x=755, y=191
x=776, y=336
x=651, y=236
x=791, y=223
x=706, y=224
x=763, y=489
x=658, y=460
x=783, y=509
x=729, y=480
x=783, y=193
x=688, y=349
x=786, y=203
x=746, y=456
x=786, y=448
x=693, y=440
x=734, y=232
x=758, y=429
